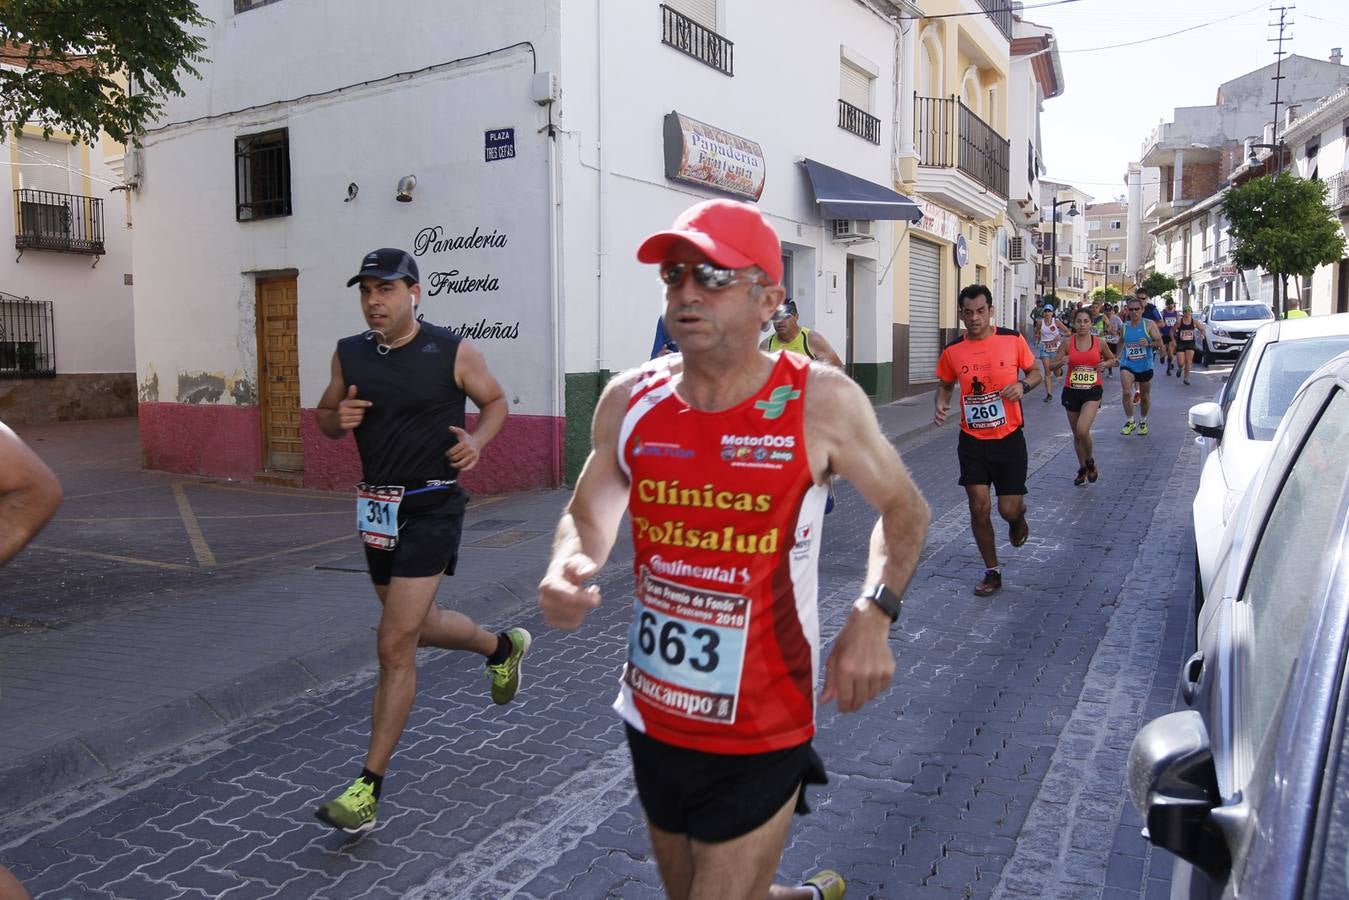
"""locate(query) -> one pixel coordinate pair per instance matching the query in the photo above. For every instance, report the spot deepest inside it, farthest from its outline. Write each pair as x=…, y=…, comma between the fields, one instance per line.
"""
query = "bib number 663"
x=677, y=644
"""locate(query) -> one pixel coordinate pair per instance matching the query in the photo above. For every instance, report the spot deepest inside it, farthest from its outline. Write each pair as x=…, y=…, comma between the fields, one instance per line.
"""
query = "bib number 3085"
x=686, y=649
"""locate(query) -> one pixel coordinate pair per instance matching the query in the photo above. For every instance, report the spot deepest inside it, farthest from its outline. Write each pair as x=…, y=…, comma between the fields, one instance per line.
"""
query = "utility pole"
x=1283, y=24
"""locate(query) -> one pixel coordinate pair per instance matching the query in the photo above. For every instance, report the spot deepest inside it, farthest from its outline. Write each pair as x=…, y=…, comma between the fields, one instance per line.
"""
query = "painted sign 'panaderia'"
x=701, y=154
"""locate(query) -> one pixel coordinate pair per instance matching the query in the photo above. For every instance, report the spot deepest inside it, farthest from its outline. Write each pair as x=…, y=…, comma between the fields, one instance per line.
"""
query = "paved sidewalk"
x=158, y=607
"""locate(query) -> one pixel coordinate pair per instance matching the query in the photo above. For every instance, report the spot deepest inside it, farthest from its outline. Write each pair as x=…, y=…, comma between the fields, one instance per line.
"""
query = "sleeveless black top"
x=406, y=432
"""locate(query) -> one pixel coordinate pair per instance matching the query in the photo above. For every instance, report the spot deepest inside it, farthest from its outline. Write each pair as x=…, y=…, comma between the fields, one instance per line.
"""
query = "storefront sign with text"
x=701, y=154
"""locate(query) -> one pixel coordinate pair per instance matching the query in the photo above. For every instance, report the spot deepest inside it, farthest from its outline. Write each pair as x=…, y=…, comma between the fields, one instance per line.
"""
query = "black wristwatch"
x=1025, y=385
x=889, y=602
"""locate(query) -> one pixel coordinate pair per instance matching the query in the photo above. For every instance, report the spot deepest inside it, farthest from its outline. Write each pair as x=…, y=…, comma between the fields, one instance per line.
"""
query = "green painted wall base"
x=875, y=380
x=583, y=391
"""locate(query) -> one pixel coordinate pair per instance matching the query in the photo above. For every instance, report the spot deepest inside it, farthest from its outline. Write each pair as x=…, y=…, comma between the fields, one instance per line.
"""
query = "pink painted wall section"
x=201, y=439
x=225, y=441
x=526, y=454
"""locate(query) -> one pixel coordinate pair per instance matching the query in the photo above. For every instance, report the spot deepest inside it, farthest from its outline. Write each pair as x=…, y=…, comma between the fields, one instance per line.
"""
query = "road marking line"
x=266, y=556
x=177, y=567
x=199, y=546
x=292, y=493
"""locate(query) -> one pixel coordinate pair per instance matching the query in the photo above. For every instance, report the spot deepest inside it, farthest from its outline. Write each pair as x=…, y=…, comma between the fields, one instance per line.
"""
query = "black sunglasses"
x=705, y=274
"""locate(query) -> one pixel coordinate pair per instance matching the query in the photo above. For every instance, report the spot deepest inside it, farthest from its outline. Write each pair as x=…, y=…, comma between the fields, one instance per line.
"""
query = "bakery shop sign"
x=698, y=153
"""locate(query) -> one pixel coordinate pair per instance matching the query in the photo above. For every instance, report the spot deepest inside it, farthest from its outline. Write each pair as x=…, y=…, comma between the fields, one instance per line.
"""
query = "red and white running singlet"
x=725, y=641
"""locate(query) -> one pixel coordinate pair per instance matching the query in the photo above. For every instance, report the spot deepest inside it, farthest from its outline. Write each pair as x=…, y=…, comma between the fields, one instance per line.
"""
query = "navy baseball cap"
x=388, y=264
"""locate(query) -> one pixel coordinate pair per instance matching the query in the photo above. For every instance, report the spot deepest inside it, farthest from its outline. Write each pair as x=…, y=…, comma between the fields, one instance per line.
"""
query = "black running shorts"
x=1001, y=462
x=714, y=797
x=1141, y=377
x=1073, y=398
x=429, y=528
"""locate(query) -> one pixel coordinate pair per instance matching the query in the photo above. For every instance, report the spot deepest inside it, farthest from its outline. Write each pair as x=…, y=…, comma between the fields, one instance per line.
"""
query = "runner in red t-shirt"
x=987, y=363
x=1088, y=358
x=722, y=454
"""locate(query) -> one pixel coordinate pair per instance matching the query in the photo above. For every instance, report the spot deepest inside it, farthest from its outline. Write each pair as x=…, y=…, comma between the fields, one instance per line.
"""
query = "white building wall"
x=91, y=303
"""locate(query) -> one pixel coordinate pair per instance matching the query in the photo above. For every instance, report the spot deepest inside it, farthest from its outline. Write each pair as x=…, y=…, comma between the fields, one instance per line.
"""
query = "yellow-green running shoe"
x=506, y=675
x=1143, y=428
x=353, y=810
x=827, y=883
x=1129, y=427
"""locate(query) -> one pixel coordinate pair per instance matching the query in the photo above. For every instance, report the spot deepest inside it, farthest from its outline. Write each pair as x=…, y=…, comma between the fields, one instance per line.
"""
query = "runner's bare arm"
x=339, y=409
x=29, y=494
x=478, y=383
x=824, y=351
x=844, y=438
x=589, y=525
x=942, y=403
x=1108, y=359
x=1155, y=334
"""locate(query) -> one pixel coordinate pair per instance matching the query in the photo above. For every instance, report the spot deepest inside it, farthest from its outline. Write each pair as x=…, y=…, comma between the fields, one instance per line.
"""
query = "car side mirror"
x=1207, y=419
x=1174, y=785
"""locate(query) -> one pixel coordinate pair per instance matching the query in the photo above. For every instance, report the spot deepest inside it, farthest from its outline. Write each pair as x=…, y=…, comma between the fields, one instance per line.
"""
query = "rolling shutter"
x=42, y=165
x=854, y=86
x=704, y=12
x=924, y=307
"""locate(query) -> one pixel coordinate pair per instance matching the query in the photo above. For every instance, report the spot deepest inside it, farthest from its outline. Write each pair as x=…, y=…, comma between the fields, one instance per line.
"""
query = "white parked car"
x=1236, y=430
x=1228, y=327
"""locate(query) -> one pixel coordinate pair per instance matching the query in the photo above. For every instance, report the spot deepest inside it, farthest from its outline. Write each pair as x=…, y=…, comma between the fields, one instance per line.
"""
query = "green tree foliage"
x=1281, y=224
x=85, y=66
x=1105, y=294
x=1157, y=284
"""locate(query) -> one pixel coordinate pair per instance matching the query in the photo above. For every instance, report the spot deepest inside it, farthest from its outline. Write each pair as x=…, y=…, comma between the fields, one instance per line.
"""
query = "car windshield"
x=1283, y=368
x=1240, y=313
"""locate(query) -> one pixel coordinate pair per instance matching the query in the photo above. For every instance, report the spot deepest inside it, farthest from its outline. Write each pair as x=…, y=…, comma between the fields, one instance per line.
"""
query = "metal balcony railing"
x=1000, y=12
x=27, y=338
x=947, y=133
x=859, y=122
x=696, y=40
x=46, y=220
x=1337, y=191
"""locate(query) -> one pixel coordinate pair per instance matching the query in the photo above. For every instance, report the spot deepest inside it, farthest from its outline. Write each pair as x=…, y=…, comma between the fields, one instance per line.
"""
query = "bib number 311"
x=686, y=649
x=377, y=515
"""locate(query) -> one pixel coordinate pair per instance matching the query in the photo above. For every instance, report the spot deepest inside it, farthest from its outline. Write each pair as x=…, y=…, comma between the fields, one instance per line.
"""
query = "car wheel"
x=1199, y=356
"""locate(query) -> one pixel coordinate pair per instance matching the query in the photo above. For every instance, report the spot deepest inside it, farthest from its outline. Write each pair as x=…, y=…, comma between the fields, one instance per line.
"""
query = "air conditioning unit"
x=1016, y=250
x=849, y=230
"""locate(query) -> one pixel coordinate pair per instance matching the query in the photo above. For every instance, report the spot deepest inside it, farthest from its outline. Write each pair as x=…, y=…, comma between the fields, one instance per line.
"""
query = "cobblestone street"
x=994, y=767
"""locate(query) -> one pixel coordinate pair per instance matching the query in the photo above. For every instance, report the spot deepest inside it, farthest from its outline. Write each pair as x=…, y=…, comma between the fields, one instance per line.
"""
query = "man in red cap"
x=721, y=454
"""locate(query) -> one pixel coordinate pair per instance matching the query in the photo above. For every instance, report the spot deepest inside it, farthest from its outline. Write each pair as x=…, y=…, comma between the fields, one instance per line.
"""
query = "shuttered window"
x=704, y=12
x=924, y=306
x=43, y=165
x=854, y=86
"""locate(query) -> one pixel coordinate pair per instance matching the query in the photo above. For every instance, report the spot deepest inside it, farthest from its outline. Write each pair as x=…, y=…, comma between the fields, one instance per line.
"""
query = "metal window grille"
x=27, y=338
x=861, y=123
x=696, y=40
x=262, y=175
x=245, y=5
x=948, y=133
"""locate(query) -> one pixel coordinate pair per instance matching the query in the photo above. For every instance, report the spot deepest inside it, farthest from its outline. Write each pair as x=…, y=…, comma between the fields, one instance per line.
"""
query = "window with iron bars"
x=245, y=5
x=262, y=175
x=27, y=338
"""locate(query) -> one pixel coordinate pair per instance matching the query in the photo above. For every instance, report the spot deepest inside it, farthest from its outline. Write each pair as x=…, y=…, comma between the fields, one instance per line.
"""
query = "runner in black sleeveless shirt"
x=400, y=388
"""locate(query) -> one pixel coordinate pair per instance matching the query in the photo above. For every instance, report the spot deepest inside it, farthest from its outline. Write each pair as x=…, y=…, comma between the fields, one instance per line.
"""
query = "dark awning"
x=844, y=196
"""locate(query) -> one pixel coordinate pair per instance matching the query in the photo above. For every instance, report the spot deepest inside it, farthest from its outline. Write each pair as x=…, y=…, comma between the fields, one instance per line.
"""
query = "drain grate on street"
x=507, y=539
x=493, y=524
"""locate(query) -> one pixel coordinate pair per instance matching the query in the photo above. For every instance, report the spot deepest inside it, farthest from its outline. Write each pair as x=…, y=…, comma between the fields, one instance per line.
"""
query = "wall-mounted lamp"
x=406, y=185
x=352, y=190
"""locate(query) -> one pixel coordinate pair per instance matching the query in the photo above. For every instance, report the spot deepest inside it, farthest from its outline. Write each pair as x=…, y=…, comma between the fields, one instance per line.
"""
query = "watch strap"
x=889, y=602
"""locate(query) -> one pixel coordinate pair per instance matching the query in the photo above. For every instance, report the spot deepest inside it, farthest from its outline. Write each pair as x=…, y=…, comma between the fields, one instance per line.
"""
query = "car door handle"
x=1190, y=675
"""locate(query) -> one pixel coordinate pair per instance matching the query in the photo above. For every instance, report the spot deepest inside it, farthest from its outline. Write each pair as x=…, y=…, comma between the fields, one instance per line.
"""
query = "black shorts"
x=1183, y=346
x=1114, y=348
x=430, y=525
x=1001, y=462
x=714, y=797
x=1073, y=398
x=1141, y=377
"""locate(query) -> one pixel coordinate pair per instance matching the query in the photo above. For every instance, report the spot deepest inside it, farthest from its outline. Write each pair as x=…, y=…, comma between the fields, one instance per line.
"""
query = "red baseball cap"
x=728, y=232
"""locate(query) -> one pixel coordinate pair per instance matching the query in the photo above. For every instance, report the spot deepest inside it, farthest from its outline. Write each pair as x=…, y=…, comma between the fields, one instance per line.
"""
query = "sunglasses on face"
x=1135, y=309
x=705, y=274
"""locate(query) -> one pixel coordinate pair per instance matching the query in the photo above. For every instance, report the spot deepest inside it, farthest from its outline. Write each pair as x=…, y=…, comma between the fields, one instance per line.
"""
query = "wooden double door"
x=279, y=375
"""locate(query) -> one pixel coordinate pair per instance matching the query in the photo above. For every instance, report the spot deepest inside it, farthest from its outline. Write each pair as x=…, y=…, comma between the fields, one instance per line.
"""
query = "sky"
x=1113, y=98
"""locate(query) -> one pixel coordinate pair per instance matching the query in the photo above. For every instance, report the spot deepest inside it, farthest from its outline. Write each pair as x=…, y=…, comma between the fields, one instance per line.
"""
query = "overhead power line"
x=1159, y=37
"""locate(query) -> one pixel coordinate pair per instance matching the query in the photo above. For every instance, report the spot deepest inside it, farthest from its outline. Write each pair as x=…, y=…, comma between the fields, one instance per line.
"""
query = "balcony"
x=999, y=13
x=1337, y=192
x=962, y=161
x=859, y=122
x=700, y=42
x=46, y=220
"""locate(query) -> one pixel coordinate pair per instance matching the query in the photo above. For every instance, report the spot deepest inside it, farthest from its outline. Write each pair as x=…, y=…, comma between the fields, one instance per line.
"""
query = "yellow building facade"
x=955, y=162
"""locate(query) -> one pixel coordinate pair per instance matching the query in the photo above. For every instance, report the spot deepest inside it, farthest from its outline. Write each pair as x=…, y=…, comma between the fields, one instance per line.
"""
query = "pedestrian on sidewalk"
x=29, y=496
x=723, y=656
x=400, y=388
x=1141, y=340
x=987, y=362
x=1087, y=358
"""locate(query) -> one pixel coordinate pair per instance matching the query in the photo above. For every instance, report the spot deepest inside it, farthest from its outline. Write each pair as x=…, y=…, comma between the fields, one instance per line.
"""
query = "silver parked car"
x=1227, y=328
x=1249, y=788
